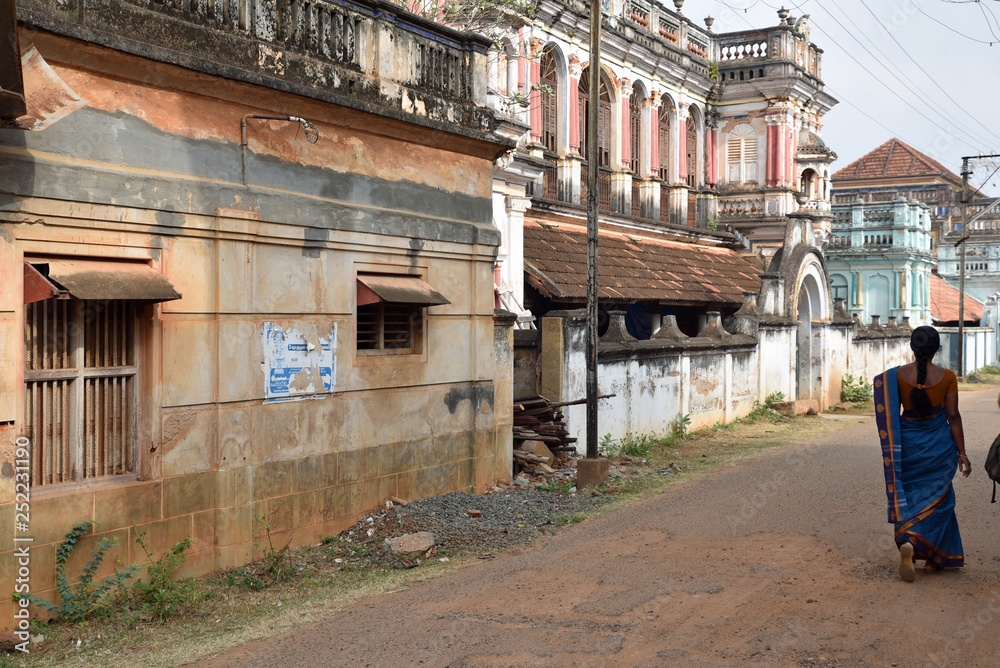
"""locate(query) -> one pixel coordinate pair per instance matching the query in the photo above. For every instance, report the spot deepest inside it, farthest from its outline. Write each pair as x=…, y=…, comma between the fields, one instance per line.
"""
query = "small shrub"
x=987, y=374
x=162, y=596
x=84, y=598
x=679, y=427
x=855, y=389
x=773, y=398
x=561, y=486
x=277, y=563
x=637, y=446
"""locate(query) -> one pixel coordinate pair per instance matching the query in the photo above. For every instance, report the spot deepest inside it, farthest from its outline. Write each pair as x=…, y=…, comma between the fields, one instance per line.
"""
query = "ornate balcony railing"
x=367, y=51
x=741, y=208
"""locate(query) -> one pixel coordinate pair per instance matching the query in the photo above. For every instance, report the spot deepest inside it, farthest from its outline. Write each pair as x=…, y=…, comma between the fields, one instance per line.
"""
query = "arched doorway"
x=808, y=357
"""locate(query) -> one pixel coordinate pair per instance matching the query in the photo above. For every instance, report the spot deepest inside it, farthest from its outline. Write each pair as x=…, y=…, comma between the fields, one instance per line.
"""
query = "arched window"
x=603, y=120
x=692, y=152
x=742, y=154
x=635, y=128
x=550, y=114
x=663, y=136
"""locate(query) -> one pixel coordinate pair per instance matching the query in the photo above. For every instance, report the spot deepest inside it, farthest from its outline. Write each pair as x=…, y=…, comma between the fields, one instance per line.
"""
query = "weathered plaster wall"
x=709, y=380
x=151, y=171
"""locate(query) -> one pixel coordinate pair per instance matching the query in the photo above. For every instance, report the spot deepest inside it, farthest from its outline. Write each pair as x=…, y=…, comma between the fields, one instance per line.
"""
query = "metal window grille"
x=388, y=326
x=80, y=389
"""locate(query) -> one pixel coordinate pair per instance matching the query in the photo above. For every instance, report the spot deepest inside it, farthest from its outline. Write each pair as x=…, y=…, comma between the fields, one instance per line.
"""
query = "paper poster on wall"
x=297, y=365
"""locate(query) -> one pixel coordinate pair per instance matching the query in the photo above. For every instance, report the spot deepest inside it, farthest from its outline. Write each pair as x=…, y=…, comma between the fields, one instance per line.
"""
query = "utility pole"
x=593, y=109
x=961, y=269
x=961, y=261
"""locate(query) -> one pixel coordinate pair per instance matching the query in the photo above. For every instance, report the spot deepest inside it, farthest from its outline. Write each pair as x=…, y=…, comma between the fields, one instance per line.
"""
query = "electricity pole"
x=593, y=109
x=961, y=261
x=961, y=270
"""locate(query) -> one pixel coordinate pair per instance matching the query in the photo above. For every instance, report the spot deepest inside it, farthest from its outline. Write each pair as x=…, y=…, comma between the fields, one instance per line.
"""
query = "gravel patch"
x=508, y=518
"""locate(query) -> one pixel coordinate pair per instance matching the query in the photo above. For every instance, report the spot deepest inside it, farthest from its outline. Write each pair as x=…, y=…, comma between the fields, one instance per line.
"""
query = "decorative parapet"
x=669, y=331
x=617, y=332
x=713, y=328
x=366, y=54
x=771, y=50
x=747, y=319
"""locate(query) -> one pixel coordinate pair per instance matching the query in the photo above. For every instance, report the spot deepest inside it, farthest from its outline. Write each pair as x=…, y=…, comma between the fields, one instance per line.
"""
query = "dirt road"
x=783, y=561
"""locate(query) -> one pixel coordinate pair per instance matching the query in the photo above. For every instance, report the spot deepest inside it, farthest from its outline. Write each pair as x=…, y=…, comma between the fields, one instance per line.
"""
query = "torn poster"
x=297, y=365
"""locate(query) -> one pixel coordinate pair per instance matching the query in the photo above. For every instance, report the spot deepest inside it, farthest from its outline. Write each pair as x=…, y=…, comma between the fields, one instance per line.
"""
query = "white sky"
x=968, y=72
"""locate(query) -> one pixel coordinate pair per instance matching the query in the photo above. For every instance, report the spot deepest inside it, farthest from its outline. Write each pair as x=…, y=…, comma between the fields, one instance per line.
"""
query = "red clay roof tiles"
x=893, y=159
x=644, y=270
x=944, y=302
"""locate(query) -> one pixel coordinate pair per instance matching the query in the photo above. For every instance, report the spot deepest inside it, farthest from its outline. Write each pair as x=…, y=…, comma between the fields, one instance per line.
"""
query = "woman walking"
x=921, y=449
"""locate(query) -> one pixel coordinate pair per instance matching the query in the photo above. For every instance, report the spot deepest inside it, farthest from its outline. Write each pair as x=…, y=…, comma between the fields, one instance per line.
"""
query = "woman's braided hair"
x=924, y=342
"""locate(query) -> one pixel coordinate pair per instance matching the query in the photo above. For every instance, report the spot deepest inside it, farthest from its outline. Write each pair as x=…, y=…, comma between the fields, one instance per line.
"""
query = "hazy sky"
x=943, y=73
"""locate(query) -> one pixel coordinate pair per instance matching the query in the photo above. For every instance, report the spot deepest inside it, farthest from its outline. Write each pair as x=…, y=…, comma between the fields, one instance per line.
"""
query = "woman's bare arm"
x=955, y=422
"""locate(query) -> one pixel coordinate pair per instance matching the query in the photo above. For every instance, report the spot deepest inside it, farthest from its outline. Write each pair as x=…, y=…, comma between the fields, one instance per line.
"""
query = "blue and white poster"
x=297, y=365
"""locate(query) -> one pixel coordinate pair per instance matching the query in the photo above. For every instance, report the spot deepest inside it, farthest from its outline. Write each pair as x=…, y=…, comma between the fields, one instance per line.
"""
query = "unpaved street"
x=782, y=561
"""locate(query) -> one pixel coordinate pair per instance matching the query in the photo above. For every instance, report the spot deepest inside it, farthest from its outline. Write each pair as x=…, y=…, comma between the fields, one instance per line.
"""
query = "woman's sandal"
x=907, y=571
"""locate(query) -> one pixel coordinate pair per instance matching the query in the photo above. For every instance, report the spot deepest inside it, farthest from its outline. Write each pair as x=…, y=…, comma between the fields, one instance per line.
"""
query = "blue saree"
x=919, y=458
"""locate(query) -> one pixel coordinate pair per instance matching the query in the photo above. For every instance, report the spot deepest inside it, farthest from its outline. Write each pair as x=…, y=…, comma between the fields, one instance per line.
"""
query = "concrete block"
x=591, y=472
x=233, y=526
x=240, y=375
x=187, y=494
x=189, y=265
x=233, y=487
x=189, y=368
x=235, y=439
x=189, y=441
x=53, y=516
x=124, y=506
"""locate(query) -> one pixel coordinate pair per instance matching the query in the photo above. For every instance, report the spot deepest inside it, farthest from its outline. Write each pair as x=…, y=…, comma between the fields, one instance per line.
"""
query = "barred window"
x=391, y=313
x=80, y=388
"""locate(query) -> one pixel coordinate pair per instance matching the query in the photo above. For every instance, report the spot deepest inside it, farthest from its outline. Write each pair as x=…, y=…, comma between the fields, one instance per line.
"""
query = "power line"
x=926, y=74
x=945, y=25
x=839, y=96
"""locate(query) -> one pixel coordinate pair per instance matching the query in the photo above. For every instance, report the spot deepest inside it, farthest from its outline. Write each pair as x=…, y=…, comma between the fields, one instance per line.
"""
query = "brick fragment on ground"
x=475, y=513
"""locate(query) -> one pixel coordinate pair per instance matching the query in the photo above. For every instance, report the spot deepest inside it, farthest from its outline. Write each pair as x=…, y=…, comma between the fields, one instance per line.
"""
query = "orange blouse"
x=936, y=393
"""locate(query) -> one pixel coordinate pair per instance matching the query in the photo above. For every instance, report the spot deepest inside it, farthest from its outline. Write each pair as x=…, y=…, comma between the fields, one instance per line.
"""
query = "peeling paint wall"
x=253, y=399
x=711, y=384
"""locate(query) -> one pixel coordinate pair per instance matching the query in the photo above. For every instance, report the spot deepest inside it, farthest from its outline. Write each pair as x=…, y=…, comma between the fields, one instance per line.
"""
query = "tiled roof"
x=893, y=159
x=944, y=303
x=633, y=268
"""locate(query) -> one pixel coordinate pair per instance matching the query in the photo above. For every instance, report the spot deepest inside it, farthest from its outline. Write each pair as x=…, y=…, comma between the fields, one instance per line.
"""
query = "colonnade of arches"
x=643, y=131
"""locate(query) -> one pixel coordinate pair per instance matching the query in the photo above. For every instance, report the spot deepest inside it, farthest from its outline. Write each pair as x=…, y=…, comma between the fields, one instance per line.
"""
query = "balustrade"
x=297, y=40
x=741, y=207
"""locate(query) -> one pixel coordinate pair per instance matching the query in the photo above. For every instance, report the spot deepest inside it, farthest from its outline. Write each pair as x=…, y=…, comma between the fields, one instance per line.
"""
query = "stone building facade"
x=982, y=253
x=880, y=259
x=896, y=169
x=234, y=237
x=699, y=133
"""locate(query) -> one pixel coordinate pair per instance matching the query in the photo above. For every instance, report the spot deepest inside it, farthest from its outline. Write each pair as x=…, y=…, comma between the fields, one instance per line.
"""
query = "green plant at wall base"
x=161, y=596
x=84, y=598
x=277, y=563
x=713, y=224
x=679, y=426
x=855, y=389
x=772, y=399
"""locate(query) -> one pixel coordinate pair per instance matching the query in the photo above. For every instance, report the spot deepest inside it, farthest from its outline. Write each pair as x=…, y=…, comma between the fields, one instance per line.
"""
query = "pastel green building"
x=879, y=259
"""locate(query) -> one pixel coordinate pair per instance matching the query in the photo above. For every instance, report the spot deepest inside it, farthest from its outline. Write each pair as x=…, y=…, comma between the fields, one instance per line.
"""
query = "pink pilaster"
x=682, y=151
x=789, y=156
x=626, y=132
x=574, y=115
x=535, y=113
x=772, y=154
x=712, y=168
x=654, y=144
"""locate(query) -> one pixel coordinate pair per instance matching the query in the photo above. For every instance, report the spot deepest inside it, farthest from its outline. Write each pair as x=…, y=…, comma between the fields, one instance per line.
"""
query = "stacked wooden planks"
x=537, y=419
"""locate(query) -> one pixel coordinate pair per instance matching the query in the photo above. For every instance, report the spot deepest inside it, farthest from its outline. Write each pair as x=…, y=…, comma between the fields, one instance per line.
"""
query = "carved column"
x=621, y=177
x=535, y=96
x=575, y=69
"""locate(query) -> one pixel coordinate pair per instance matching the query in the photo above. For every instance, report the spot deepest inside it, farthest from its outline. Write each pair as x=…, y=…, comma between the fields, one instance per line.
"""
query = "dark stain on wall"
x=477, y=394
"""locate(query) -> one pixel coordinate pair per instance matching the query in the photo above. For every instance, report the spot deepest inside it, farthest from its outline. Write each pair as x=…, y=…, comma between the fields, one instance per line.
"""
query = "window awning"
x=105, y=279
x=374, y=288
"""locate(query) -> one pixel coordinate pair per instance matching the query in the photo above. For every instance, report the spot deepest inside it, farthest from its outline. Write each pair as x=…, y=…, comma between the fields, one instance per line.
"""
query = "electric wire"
x=840, y=96
x=925, y=73
x=892, y=90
